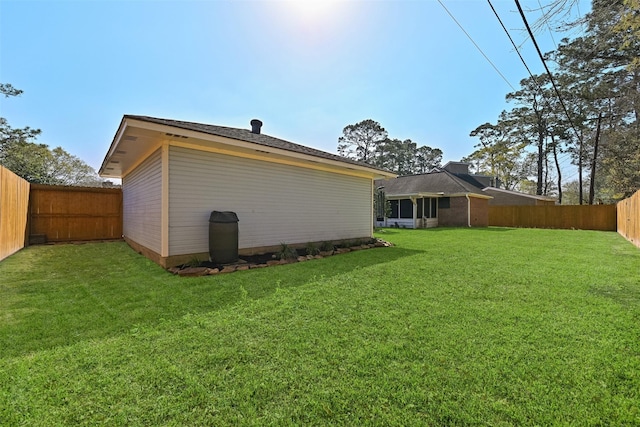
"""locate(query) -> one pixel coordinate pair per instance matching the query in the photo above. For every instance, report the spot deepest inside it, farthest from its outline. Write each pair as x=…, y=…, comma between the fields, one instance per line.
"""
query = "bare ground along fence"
x=14, y=203
x=582, y=217
x=63, y=214
x=629, y=218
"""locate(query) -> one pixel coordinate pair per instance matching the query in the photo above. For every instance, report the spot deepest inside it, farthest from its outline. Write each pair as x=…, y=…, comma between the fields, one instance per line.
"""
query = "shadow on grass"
x=463, y=229
x=625, y=296
x=112, y=290
x=391, y=231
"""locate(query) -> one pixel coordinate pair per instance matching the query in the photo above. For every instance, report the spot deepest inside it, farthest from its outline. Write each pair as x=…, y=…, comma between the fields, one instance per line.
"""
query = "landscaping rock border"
x=242, y=265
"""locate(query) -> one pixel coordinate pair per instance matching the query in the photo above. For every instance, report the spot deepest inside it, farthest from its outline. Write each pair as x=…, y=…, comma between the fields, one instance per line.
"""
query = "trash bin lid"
x=223, y=216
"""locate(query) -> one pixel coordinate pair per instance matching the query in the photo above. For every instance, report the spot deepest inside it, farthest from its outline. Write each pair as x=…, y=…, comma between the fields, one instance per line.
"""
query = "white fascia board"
x=113, y=146
x=264, y=149
x=413, y=195
x=476, y=195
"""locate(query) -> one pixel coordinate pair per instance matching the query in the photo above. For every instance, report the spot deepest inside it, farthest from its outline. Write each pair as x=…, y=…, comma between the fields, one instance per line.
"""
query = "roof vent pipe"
x=255, y=126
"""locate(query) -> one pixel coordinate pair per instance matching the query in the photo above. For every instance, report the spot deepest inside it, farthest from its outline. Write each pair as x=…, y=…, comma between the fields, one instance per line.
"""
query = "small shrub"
x=286, y=252
x=312, y=249
x=326, y=246
x=346, y=244
x=194, y=262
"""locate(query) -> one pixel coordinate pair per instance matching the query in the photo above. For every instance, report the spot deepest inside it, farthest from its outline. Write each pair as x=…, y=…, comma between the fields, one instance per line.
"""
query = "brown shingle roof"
x=248, y=136
x=435, y=182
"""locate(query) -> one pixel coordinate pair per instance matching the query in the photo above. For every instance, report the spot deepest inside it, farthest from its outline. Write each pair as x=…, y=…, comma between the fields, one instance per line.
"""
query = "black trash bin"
x=223, y=237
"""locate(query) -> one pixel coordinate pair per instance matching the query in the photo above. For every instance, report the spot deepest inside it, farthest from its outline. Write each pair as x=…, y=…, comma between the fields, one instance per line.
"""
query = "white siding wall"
x=142, y=203
x=274, y=203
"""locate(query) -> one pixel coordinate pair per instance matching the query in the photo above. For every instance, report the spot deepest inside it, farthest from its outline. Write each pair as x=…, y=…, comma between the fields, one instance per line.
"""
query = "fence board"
x=66, y=214
x=629, y=218
x=14, y=205
x=582, y=217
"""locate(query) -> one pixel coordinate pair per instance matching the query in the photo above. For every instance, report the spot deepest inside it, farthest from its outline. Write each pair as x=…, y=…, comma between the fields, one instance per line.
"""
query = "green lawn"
x=449, y=327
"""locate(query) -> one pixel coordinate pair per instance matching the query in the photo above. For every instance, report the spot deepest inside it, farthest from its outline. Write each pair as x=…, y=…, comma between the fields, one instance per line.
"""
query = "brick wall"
x=457, y=214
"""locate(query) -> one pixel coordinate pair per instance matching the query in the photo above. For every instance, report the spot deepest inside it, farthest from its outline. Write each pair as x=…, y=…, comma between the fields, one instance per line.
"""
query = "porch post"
x=414, y=202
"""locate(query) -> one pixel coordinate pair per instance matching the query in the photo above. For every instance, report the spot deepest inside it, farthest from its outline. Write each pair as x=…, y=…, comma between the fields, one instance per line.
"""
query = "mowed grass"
x=450, y=327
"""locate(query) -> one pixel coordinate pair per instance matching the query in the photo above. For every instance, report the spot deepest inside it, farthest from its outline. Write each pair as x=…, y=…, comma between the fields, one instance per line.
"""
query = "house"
x=503, y=197
x=175, y=173
x=438, y=198
x=450, y=196
x=490, y=185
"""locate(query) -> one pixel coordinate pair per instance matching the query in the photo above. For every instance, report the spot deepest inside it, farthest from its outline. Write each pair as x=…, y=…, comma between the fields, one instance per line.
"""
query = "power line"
x=476, y=45
x=553, y=82
x=515, y=47
x=567, y=155
x=527, y=67
x=533, y=78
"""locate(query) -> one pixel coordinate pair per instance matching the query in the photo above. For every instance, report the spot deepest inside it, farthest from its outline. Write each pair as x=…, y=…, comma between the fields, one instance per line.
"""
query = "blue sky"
x=305, y=68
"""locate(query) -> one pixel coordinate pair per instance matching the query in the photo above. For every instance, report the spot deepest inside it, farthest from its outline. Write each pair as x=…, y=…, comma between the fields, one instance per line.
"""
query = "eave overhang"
x=437, y=195
x=136, y=139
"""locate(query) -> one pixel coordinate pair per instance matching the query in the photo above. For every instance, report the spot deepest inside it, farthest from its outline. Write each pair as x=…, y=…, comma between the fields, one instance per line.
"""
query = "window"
x=406, y=208
x=394, y=209
x=380, y=202
x=445, y=203
x=428, y=207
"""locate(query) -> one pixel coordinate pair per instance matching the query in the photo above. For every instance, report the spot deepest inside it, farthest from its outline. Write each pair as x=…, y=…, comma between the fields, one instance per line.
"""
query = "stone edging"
x=243, y=265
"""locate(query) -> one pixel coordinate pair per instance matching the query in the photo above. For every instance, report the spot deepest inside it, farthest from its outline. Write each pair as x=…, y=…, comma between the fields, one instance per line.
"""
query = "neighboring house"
x=175, y=173
x=450, y=196
x=439, y=198
x=502, y=197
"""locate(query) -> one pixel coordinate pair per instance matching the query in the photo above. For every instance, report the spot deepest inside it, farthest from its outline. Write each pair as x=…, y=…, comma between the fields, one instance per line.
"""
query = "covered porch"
x=418, y=210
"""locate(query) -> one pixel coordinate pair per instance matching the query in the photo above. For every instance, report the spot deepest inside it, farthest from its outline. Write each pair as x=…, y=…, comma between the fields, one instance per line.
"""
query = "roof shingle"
x=248, y=136
x=435, y=182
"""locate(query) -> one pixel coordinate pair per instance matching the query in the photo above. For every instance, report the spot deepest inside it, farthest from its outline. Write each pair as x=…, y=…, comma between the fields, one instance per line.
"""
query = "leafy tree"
x=8, y=90
x=598, y=121
x=572, y=193
x=67, y=169
x=17, y=152
x=531, y=121
x=368, y=141
x=603, y=67
x=360, y=141
x=427, y=159
x=10, y=136
x=401, y=156
x=36, y=163
x=629, y=27
x=499, y=153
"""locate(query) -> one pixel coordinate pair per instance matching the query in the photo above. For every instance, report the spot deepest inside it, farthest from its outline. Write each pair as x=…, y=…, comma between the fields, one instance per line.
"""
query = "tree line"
x=593, y=124
x=585, y=114
x=37, y=163
x=369, y=142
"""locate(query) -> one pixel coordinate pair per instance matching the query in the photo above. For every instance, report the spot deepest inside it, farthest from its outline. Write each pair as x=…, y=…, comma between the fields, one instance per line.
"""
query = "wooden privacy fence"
x=629, y=218
x=14, y=203
x=582, y=217
x=64, y=214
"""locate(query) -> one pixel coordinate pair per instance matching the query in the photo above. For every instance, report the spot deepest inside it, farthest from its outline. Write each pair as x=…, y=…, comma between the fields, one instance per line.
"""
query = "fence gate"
x=64, y=214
